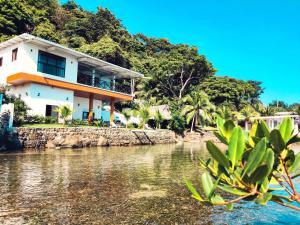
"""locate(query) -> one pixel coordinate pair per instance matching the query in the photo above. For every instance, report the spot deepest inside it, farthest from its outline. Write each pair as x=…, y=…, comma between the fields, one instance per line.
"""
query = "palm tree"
x=245, y=113
x=224, y=112
x=144, y=114
x=158, y=118
x=127, y=114
x=64, y=112
x=197, y=108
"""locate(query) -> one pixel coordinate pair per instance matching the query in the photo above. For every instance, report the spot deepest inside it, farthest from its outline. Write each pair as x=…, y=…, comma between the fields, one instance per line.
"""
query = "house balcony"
x=89, y=76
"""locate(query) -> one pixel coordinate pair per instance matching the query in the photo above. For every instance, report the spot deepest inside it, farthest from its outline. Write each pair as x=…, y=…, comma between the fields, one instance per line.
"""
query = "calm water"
x=118, y=185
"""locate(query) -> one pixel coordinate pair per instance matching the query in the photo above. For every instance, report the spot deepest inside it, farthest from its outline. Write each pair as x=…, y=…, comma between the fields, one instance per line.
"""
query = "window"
x=51, y=111
x=14, y=54
x=85, y=115
x=1, y=61
x=51, y=64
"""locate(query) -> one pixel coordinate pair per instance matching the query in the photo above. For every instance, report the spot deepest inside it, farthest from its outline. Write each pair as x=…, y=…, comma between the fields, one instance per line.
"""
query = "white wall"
x=31, y=60
x=8, y=67
x=40, y=95
x=82, y=105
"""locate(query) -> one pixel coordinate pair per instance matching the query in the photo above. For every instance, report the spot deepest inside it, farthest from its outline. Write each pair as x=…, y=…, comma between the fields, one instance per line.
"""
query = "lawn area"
x=55, y=125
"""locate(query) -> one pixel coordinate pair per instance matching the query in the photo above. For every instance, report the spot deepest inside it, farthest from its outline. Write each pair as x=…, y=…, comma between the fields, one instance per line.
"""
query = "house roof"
x=163, y=109
x=81, y=57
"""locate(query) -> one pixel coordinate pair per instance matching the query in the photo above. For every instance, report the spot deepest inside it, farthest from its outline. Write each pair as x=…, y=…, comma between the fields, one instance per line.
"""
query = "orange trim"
x=20, y=78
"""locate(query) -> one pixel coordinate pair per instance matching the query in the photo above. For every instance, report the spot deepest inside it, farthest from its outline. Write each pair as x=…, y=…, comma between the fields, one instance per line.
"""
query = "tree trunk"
x=193, y=123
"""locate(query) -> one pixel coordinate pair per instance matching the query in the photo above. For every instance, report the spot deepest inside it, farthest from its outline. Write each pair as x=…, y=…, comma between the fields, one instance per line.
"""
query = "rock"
x=50, y=144
x=72, y=142
x=102, y=141
x=58, y=141
x=86, y=142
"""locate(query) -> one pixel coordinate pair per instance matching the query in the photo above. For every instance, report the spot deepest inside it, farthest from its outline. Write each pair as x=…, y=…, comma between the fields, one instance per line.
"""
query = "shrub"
x=254, y=166
x=177, y=123
x=98, y=123
x=34, y=119
x=51, y=120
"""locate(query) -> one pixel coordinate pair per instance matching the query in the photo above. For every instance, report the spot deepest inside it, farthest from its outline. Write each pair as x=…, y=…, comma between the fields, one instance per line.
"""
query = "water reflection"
x=117, y=185
x=136, y=185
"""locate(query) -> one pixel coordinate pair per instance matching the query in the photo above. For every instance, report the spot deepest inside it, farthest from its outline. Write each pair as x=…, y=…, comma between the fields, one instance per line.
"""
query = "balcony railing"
x=118, y=85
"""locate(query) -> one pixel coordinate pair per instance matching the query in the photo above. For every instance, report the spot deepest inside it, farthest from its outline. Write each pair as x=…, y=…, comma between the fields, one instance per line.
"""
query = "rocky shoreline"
x=41, y=138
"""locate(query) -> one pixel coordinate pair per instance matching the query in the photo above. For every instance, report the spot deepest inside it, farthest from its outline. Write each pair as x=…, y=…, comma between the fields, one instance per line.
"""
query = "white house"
x=45, y=75
x=274, y=121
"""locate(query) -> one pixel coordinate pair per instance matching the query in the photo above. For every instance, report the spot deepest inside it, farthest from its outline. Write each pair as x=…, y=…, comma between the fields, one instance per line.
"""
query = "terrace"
x=91, y=75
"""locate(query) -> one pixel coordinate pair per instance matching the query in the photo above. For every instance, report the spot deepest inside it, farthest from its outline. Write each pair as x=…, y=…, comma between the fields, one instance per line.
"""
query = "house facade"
x=46, y=75
x=274, y=121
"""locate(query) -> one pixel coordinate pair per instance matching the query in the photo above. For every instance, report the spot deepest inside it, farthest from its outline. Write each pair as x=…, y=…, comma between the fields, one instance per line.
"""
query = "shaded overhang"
x=79, y=89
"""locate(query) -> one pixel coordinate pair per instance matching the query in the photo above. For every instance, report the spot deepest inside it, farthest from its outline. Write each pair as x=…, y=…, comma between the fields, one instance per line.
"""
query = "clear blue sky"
x=257, y=39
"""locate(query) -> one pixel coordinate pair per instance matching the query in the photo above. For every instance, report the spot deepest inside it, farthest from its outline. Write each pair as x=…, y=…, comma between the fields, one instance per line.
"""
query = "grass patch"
x=54, y=125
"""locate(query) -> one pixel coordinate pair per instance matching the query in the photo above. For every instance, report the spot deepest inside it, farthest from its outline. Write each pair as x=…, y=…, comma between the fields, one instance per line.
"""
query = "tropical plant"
x=143, y=113
x=237, y=93
x=259, y=166
x=197, y=108
x=177, y=123
x=20, y=107
x=64, y=112
x=127, y=114
x=158, y=117
x=224, y=112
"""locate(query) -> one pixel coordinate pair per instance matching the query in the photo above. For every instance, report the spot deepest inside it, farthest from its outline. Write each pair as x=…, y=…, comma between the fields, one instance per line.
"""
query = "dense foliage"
x=260, y=166
x=237, y=93
x=171, y=70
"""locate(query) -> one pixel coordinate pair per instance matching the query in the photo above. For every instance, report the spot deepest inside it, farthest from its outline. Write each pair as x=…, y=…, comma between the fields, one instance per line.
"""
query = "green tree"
x=16, y=17
x=196, y=108
x=64, y=112
x=177, y=123
x=20, y=107
x=229, y=90
x=108, y=50
x=158, y=117
x=46, y=30
x=143, y=113
x=127, y=114
x=173, y=71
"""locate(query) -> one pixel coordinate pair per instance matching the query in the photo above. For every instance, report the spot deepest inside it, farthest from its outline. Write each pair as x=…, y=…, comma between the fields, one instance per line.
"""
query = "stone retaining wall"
x=39, y=138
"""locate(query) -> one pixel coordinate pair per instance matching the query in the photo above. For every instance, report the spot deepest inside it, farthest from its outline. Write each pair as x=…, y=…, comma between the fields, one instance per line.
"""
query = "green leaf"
x=296, y=163
x=286, y=129
x=264, y=186
x=221, y=137
x=269, y=159
x=259, y=174
x=294, y=139
x=232, y=190
x=277, y=141
x=252, y=134
x=236, y=146
x=217, y=199
x=228, y=128
x=193, y=191
x=220, y=123
x=207, y=183
x=229, y=207
x=217, y=154
x=255, y=157
x=262, y=130
x=263, y=199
